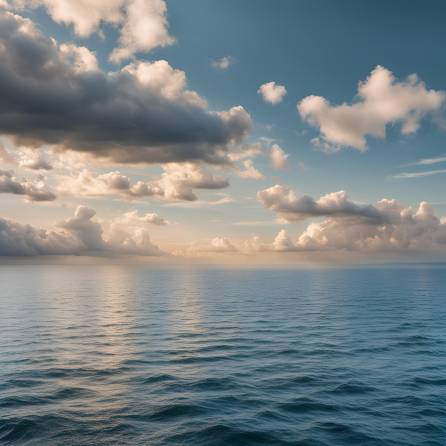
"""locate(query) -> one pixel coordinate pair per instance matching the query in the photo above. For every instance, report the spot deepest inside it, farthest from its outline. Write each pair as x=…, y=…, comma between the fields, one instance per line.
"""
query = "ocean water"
x=143, y=355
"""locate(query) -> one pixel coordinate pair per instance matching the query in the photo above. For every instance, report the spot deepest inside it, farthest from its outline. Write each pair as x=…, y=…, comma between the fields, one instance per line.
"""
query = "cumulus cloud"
x=32, y=191
x=27, y=159
x=402, y=230
x=272, y=92
x=223, y=63
x=279, y=158
x=292, y=208
x=142, y=113
x=177, y=182
x=77, y=235
x=142, y=24
x=385, y=226
x=382, y=100
x=249, y=171
x=132, y=217
x=399, y=230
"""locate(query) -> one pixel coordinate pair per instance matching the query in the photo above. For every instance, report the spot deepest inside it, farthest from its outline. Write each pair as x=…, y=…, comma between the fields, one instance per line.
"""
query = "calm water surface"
x=141, y=355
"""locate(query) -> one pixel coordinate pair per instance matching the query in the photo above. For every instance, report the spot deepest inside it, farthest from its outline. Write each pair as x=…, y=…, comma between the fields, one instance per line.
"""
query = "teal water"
x=142, y=355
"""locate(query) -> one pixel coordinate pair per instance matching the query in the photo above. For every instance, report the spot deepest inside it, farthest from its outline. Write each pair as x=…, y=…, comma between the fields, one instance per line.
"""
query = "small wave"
x=307, y=405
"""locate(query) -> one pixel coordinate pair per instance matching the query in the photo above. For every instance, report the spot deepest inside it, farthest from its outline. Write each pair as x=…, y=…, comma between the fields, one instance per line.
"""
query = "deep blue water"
x=143, y=355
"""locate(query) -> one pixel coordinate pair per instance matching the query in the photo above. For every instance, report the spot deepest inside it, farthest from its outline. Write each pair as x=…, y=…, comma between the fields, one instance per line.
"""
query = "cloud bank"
x=77, y=235
x=385, y=226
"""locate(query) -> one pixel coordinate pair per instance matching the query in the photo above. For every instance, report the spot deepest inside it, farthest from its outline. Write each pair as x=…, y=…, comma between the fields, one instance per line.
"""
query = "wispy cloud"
x=406, y=175
x=223, y=63
x=201, y=203
x=428, y=161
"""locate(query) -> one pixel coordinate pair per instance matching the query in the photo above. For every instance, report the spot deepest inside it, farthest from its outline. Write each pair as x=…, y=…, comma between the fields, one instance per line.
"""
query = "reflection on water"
x=132, y=355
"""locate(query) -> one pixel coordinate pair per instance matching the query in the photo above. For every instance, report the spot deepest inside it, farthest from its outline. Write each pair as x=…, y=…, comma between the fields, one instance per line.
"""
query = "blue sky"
x=323, y=48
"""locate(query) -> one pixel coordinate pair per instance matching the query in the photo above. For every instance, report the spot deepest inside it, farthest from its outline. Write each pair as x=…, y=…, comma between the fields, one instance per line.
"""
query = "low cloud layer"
x=177, y=182
x=401, y=230
x=382, y=100
x=77, y=235
x=142, y=113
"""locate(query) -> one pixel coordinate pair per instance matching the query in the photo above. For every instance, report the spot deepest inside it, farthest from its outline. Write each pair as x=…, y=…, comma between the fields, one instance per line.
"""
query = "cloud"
x=78, y=235
x=403, y=230
x=142, y=113
x=223, y=63
x=429, y=161
x=25, y=158
x=250, y=171
x=152, y=218
x=199, y=204
x=291, y=208
x=382, y=100
x=385, y=226
x=272, y=92
x=399, y=230
x=279, y=158
x=32, y=191
x=177, y=182
x=428, y=173
x=142, y=24
x=216, y=245
x=246, y=151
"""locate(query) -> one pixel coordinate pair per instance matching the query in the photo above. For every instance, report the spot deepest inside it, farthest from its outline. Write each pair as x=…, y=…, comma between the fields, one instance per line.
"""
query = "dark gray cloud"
x=55, y=95
x=290, y=207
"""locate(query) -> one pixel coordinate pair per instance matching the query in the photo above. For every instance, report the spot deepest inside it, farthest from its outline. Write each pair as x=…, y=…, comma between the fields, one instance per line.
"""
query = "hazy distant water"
x=130, y=355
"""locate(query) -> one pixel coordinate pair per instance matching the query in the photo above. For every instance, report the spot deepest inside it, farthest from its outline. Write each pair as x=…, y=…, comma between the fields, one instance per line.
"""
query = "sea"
x=109, y=354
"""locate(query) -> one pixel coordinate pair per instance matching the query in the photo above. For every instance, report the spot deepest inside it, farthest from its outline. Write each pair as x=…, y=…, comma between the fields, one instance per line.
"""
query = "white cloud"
x=216, y=245
x=279, y=158
x=250, y=171
x=142, y=24
x=272, y=92
x=382, y=100
x=177, y=182
x=429, y=161
x=385, y=226
x=399, y=230
x=80, y=57
x=246, y=151
x=32, y=191
x=25, y=158
x=78, y=235
x=223, y=63
x=428, y=173
x=151, y=218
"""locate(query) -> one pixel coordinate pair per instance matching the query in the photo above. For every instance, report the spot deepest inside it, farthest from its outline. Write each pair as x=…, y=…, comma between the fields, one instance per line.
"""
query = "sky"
x=252, y=131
